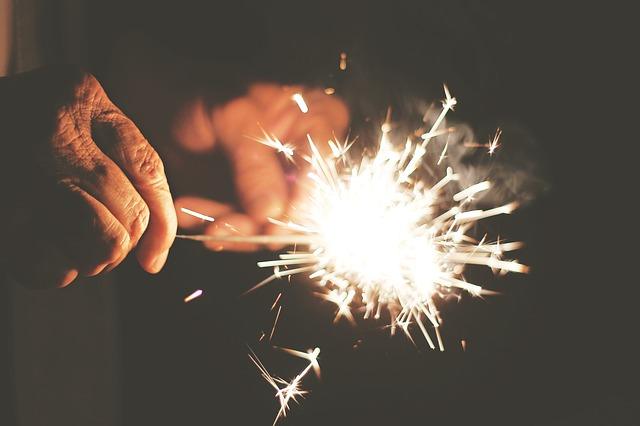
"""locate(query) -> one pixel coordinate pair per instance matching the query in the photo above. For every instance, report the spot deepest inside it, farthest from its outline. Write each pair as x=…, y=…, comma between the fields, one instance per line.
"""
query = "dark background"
x=557, y=348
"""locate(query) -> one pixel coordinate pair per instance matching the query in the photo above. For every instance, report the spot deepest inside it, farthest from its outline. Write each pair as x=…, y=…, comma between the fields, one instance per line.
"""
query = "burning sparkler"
x=375, y=235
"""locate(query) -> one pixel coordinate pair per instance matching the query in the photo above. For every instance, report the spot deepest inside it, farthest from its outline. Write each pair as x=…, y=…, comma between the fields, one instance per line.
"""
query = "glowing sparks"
x=494, y=144
x=272, y=141
x=288, y=391
x=467, y=194
x=491, y=146
x=275, y=323
x=193, y=296
x=342, y=64
x=378, y=239
x=310, y=355
x=383, y=239
x=342, y=299
x=275, y=302
x=298, y=99
x=196, y=214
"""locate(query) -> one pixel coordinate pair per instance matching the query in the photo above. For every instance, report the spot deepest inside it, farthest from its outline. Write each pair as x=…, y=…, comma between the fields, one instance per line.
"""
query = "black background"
x=558, y=348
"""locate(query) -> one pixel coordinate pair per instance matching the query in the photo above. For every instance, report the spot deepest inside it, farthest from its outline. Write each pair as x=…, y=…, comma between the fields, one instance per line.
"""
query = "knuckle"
x=231, y=118
x=148, y=164
x=78, y=82
x=89, y=80
x=88, y=98
x=88, y=85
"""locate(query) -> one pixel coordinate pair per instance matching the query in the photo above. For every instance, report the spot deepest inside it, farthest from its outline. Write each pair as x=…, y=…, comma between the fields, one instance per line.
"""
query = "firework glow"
x=380, y=241
x=376, y=237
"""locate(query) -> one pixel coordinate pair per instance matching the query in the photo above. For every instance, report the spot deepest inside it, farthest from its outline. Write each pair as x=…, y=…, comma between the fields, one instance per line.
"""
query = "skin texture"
x=265, y=185
x=81, y=185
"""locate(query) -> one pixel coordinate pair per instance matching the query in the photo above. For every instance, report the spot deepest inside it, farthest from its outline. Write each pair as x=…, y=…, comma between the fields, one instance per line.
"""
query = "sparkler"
x=287, y=391
x=376, y=236
x=378, y=239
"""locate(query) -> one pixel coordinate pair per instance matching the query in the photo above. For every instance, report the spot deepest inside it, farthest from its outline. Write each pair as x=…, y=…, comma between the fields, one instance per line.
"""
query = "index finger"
x=140, y=162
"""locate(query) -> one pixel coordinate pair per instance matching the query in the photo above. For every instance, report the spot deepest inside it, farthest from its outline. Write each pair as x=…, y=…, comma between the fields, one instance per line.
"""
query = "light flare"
x=288, y=391
x=342, y=64
x=272, y=141
x=298, y=99
x=193, y=296
x=196, y=214
x=381, y=238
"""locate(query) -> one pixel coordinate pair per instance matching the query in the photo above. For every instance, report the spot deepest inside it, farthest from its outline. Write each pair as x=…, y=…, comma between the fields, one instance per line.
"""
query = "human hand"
x=82, y=186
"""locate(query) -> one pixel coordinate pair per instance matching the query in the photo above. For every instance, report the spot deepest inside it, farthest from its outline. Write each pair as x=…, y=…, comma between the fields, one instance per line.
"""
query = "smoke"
x=516, y=168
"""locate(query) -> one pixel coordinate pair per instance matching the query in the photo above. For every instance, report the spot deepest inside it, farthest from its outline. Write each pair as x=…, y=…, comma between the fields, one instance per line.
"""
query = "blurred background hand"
x=267, y=185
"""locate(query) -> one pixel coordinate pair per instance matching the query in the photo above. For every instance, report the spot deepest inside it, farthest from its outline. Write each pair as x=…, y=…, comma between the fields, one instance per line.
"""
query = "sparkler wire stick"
x=253, y=239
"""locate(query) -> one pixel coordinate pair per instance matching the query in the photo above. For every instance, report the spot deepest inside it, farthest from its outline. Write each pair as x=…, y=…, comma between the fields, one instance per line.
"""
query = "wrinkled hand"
x=81, y=185
x=265, y=185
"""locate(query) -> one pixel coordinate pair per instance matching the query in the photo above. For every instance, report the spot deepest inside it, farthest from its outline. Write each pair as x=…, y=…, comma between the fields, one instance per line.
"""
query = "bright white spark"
x=491, y=146
x=382, y=239
x=287, y=391
x=494, y=144
x=275, y=323
x=297, y=98
x=310, y=355
x=272, y=141
x=196, y=214
x=342, y=65
x=193, y=295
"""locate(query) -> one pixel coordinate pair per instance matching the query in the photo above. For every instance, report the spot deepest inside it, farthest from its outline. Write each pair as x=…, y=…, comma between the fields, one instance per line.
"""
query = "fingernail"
x=97, y=270
x=159, y=262
x=69, y=278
